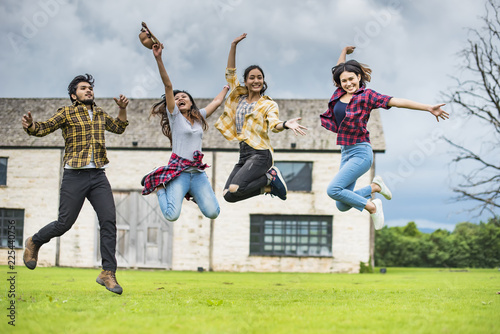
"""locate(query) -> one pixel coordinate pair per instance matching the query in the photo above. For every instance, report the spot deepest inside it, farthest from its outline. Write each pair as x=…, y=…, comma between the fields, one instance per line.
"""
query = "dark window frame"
x=6, y=216
x=291, y=235
x=3, y=171
x=290, y=184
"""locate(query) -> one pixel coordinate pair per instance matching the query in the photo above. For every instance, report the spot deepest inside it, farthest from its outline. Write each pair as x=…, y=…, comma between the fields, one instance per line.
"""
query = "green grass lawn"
x=404, y=300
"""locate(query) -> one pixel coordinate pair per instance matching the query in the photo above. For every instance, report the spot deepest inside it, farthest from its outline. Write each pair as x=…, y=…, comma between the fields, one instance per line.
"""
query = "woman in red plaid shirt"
x=347, y=115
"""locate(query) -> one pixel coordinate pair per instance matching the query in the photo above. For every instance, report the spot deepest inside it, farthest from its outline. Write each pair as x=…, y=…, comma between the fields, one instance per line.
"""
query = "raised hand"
x=239, y=38
x=122, y=102
x=157, y=50
x=27, y=120
x=231, y=59
x=345, y=51
x=349, y=49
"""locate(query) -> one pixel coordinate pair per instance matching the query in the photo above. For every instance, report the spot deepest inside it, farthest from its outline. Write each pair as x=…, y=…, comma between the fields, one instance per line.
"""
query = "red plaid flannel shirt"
x=176, y=165
x=353, y=130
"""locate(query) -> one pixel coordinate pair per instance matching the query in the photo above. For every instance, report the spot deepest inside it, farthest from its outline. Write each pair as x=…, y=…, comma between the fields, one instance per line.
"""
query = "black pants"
x=249, y=173
x=75, y=187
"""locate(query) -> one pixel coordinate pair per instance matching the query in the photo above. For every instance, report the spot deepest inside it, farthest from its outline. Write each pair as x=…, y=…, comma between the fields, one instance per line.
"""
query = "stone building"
x=305, y=233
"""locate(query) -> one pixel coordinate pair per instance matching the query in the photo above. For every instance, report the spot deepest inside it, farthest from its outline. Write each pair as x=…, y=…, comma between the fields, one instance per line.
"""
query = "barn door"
x=144, y=237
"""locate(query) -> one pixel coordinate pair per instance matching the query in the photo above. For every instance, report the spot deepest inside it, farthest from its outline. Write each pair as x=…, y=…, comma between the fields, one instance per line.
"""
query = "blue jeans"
x=196, y=183
x=355, y=161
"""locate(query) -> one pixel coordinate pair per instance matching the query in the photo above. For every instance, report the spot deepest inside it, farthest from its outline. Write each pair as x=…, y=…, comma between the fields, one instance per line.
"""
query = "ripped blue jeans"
x=196, y=183
x=355, y=161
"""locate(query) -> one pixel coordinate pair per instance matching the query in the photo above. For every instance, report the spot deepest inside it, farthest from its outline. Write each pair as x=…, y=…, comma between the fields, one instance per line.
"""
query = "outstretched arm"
x=41, y=129
x=408, y=104
x=345, y=51
x=217, y=101
x=169, y=90
x=231, y=59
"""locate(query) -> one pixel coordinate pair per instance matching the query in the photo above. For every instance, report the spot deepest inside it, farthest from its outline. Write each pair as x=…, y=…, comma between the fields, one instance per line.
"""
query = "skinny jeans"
x=249, y=173
x=76, y=185
x=356, y=160
x=196, y=183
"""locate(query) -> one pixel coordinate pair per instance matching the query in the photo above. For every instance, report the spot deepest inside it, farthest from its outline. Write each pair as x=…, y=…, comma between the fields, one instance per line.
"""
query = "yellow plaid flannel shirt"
x=264, y=116
x=80, y=133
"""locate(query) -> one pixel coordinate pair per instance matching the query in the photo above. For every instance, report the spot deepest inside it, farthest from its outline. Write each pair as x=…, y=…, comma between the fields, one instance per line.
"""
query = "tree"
x=468, y=246
x=479, y=97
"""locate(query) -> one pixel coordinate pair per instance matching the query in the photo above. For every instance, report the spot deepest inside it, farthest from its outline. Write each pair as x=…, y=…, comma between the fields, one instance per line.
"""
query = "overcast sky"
x=412, y=47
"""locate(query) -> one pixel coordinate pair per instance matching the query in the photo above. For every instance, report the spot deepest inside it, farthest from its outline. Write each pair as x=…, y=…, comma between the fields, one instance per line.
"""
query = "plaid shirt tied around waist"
x=165, y=174
x=353, y=129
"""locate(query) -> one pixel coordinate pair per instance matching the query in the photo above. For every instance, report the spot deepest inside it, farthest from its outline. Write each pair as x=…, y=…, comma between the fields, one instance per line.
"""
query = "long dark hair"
x=74, y=83
x=247, y=72
x=352, y=66
x=160, y=109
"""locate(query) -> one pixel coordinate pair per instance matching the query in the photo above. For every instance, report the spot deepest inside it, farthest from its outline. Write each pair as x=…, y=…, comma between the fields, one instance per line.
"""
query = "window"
x=3, y=171
x=297, y=174
x=8, y=218
x=291, y=235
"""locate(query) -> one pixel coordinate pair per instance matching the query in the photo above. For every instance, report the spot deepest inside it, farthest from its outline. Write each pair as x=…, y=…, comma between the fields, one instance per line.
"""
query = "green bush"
x=469, y=245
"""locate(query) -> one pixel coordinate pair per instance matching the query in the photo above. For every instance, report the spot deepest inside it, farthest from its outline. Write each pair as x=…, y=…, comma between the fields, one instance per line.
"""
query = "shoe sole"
x=278, y=174
x=282, y=180
x=380, y=211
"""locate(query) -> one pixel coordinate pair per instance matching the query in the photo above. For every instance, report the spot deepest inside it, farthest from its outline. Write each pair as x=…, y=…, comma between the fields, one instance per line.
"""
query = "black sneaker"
x=278, y=185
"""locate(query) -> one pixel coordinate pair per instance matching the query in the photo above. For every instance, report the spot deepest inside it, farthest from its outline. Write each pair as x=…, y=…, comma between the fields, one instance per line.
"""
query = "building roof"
x=144, y=133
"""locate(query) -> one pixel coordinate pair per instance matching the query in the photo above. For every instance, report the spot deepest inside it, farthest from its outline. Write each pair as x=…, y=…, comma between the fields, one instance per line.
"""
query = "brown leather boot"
x=107, y=278
x=30, y=255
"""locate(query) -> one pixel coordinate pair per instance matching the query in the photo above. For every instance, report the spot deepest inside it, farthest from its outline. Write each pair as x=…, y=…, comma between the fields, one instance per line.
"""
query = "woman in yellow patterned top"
x=248, y=116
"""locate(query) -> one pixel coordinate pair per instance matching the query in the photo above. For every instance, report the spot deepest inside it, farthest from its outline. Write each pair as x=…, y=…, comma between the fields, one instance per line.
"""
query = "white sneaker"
x=378, y=216
x=384, y=189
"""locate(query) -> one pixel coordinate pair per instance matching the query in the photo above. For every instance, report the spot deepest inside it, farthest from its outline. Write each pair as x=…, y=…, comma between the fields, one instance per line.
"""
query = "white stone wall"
x=33, y=178
x=351, y=230
x=33, y=184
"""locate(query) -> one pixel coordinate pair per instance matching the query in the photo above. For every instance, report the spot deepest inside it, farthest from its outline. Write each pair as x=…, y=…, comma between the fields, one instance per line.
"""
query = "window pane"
x=297, y=174
x=11, y=235
x=291, y=235
x=278, y=228
x=268, y=227
x=3, y=171
x=254, y=249
x=255, y=229
x=255, y=238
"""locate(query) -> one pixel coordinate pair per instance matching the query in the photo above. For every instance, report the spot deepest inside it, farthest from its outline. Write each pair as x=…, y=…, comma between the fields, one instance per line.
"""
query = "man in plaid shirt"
x=83, y=125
